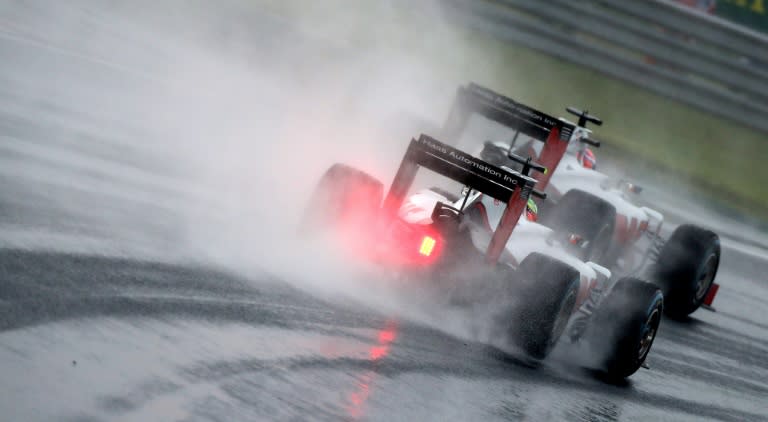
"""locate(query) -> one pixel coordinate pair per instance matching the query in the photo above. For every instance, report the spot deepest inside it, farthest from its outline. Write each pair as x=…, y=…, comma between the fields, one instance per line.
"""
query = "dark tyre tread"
x=620, y=324
x=587, y=215
x=680, y=266
x=547, y=293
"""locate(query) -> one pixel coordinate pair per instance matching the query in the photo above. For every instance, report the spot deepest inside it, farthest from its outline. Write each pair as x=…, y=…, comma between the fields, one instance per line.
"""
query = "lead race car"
x=478, y=249
x=611, y=229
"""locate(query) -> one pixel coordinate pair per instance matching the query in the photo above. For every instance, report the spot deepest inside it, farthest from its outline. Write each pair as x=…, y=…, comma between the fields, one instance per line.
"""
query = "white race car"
x=480, y=248
x=612, y=230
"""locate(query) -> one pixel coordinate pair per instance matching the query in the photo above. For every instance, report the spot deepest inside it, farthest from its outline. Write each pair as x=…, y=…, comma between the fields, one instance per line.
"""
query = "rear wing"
x=510, y=187
x=474, y=98
x=554, y=133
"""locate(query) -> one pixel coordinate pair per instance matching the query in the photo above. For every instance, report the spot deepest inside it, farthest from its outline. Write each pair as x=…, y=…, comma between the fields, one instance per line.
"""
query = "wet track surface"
x=104, y=317
x=92, y=338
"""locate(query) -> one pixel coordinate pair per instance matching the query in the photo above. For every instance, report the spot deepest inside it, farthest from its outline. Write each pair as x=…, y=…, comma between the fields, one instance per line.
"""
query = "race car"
x=477, y=249
x=613, y=230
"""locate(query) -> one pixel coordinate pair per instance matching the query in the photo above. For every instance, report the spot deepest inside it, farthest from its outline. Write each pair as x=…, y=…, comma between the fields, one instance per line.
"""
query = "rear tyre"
x=343, y=196
x=624, y=327
x=686, y=268
x=588, y=216
x=546, y=295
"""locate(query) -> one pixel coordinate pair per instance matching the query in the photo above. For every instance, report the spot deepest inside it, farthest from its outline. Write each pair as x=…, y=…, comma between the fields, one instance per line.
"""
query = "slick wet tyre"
x=624, y=327
x=686, y=269
x=343, y=196
x=588, y=216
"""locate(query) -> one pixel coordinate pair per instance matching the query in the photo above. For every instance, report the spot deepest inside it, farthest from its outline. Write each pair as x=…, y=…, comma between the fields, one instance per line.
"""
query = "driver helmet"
x=531, y=210
x=587, y=158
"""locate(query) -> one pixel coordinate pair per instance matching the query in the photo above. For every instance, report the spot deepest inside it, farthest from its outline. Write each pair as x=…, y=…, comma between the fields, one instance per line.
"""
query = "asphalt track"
x=104, y=317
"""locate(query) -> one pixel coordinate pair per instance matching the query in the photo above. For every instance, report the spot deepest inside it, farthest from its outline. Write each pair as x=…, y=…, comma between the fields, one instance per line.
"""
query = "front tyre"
x=686, y=269
x=624, y=327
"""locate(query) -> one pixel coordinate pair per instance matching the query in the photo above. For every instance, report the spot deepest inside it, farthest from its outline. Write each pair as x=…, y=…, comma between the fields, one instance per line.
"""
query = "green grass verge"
x=714, y=153
x=719, y=158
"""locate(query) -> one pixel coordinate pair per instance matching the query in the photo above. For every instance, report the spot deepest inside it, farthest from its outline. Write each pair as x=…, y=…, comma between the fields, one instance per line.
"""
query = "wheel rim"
x=649, y=333
x=705, y=277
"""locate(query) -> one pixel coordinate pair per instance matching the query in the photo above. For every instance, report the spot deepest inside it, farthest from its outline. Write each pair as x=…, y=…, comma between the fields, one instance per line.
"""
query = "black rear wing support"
x=509, y=187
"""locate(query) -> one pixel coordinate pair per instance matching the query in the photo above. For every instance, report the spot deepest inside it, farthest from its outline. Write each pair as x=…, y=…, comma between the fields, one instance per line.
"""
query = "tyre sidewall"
x=681, y=264
x=582, y=213
x=621, y=324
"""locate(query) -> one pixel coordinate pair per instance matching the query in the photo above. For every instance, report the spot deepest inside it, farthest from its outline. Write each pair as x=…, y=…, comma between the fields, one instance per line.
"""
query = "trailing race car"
x=462, y=247
x=612, y=230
